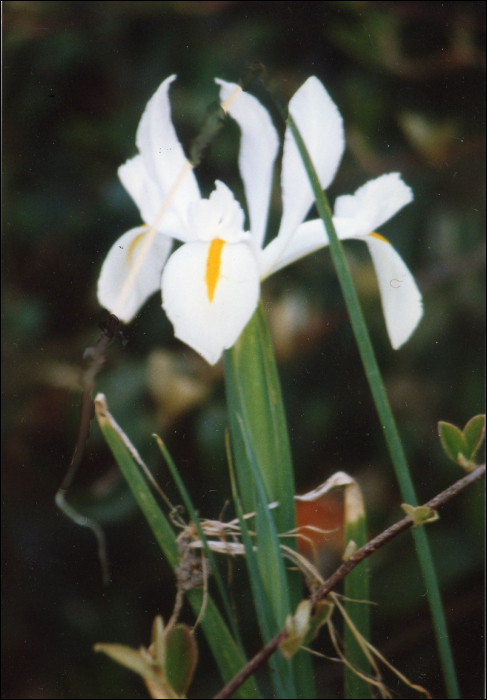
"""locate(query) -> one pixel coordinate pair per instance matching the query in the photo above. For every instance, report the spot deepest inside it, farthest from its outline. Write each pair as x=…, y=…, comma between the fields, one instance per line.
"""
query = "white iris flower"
x=211, y=284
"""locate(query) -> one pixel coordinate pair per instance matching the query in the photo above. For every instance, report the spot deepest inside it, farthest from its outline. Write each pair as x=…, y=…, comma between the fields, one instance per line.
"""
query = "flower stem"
x=387, y=421
x=264, y=472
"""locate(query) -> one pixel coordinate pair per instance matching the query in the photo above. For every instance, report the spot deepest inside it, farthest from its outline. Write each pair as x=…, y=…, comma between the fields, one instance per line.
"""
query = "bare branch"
x=342, y=571
x=94, y=357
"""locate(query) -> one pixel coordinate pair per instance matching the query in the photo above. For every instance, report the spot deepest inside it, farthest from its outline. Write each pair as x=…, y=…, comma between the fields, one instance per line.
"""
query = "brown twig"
x=95, y=358
x=342, y=571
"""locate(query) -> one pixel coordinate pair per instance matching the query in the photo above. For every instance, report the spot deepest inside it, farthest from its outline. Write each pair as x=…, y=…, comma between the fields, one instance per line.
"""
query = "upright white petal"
x=148, y=197
x=320, y=124
x=209, y=292
x=401, y=298
x=259, y=145
x=160, y=148
x=219, y=216
x=116, y=268
x=371, y=206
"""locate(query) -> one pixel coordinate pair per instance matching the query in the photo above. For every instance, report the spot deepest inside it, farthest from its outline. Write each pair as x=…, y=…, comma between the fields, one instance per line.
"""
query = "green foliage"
x=303, y=626
x=297, y=626
x=196, y=522
x=135, y=661
x=181, y=658
x=383, y=408
x=356, y=593
x=420, y=514
x=264, y=474
x=79, y=74
x=226, y=651
x=282, y=677
x=255, y=402
x=167, y=666
x=462, y=446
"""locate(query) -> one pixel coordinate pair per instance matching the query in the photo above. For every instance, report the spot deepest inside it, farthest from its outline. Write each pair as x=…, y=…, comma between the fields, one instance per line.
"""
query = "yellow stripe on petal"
x=213, y=263
x=379, y=237
x=133, y=246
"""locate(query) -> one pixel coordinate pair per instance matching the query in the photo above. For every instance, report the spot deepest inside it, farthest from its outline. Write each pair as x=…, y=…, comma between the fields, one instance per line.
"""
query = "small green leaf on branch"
x=462, y=446
x=350, y=550
x=302, y=627
x=452, y=440
x=167, y=666
x=474, y=433
x=297, y=626
x=420, y=515
x=320, y=617
x=180, y=658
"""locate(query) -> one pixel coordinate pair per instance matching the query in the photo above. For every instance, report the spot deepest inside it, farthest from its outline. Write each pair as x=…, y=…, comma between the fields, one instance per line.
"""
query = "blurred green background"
x=408, y=78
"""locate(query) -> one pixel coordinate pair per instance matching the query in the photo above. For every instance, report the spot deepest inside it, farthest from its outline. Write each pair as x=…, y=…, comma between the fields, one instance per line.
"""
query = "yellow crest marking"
x=379, y=237
x=213, y=263
x=134, y=244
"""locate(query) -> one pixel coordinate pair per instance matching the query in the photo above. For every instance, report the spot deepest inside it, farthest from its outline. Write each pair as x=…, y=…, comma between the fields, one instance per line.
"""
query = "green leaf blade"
x=383, y=408
x=194, y=517
x=356, y=589
x=269, y=556
x=147, y=503
x=453, y=440
x=181, y=658
x=254, y=393
x=228, y=655
x=131, y=659
x=279, y=670
x=473, y=434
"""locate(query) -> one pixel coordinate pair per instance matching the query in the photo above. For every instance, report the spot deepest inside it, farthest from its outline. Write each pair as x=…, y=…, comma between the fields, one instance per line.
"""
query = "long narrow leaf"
x=124, y=452
x=254, y=393
x=194, y=517
x=263, y=609
x=356, y=589
x=386, y=417
x=269, y=555
x=227, y=654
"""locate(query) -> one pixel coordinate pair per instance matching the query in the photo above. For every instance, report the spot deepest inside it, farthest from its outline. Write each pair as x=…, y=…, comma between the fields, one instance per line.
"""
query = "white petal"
x=401, y=298
x=148, y=197
x=259, y=145
x=160, y=148
x=320, y=124
x=219, y=216
x=371, y=206
x=210, y=326
x=308, y=238
x=116, y=268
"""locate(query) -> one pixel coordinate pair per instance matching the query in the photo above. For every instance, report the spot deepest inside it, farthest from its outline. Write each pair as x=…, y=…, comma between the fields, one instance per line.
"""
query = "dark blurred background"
x=408, y=78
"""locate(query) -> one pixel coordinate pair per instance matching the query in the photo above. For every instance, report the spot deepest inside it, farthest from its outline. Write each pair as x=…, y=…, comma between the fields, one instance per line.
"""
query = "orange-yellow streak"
x=379, y=237
x=152, y=232
x=228, y=102
x=134, y=244
x=213, y=266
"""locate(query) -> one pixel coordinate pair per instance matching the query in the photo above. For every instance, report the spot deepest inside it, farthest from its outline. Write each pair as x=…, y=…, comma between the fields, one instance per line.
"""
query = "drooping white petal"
x=148, y=197
x=307, y=238
x=401, y=298
x=371, y=206
x=116, y=268
x=259, y=145
x=160, y=148
x=209, y=292
x=320, y=124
